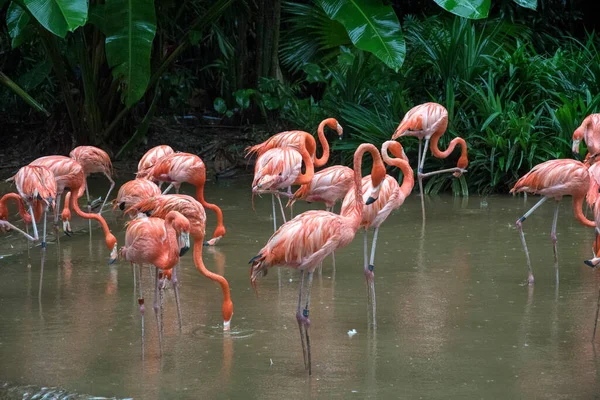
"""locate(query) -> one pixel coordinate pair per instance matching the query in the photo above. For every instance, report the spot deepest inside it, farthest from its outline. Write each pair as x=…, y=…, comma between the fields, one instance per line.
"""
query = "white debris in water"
x=291, y=280
x=271, y=361
x=352, y=332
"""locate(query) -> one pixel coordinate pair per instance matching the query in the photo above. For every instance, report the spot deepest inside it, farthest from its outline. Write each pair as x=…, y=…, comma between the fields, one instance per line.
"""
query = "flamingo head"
x=66, y=218
x=227, y=314
x=577, y=138
x=257, y=268
x=377, y=177
x=111, y=243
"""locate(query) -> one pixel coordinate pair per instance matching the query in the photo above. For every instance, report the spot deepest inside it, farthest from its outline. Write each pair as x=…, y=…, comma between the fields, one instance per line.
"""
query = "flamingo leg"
x=56, y=210
x=443, y=171
x=35, y=230
x=89, y=206
x=7, y=225
x=28, y=246
x=553, y=237
x=282, y=210
x=156, y=308
x=112, y=185
x=141, y=301
x=300, y=318
x=44, y=234
x=596, y=319
x=274, y=214
x=519, y=224
x=420, y=169
x=307, y=321
x=366, y=265
x=175, y=282
x=167, y=189
x=372, y=270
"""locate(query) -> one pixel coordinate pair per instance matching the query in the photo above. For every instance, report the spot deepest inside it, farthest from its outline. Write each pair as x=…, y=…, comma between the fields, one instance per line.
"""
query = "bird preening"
x=161, y=226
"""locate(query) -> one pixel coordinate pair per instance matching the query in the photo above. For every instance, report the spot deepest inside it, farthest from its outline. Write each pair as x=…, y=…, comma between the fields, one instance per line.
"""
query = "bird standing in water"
x=94, y=160
x=555, y=179
x=155, y=241
x=391, y=197
x=185, y=167
x=327, y=186
x=306, y=240
x=429, y=121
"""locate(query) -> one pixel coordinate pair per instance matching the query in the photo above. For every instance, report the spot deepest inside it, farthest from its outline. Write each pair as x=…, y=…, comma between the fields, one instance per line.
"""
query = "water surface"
x=454, y=320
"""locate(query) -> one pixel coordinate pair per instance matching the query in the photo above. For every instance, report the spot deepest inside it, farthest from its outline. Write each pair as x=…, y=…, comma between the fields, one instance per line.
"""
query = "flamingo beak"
x=593, y=262
x=184, y=243
x=122, y=206
x=575, y=147
x=114, y=255
x=67, y=227
x=374, y=195
x=340, y=130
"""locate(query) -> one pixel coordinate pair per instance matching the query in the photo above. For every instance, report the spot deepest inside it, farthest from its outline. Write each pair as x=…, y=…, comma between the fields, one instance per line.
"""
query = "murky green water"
x=453, y=319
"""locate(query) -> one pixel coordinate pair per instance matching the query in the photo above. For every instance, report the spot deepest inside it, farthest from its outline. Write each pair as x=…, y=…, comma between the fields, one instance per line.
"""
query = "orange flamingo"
x=159, y=207
x=391, y=197
x=155, y=241
x=589, y=132
x=153, y=155
x=306, y=240
x=278, y=168
x=36, y=185
x=133, y=192
x=22, y=212
x=327, y=186
x=185, y=167
x=295, y=139
x=429, y=121
x=94, y=160
x=555, y=179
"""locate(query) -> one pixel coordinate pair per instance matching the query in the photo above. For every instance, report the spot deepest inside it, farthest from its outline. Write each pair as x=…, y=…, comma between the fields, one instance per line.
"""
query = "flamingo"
x=93, y=160
x=589, y=132
x=429, y=121
x=22, y=212
x=36, y=185
x=185, y=167
x=153, y=155
x=155, y=241
x=295, y=139
x=306, y=240
x=278, y=168
x=391, y=197
x=555, y=179
x=133, y=192
x=327, y=186
x=190, y=208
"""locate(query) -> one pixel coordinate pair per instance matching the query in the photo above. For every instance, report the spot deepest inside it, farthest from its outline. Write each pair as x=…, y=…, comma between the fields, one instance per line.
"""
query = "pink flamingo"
x=299, y=140
x=429, y=121
x=185, y=167
x=589, y=132
x=155, y=241
x=278, y=168
x=555, y=179
x=94, y=160
x=153, y=155
x=134, y=191
x=327, y=186
x=306, y=240
x=190, y=208
x=22, y=212
x=36, y=185
x=391, y=197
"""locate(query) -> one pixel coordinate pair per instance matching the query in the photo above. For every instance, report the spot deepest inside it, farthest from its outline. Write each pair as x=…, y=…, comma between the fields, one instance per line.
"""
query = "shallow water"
x=453, y=319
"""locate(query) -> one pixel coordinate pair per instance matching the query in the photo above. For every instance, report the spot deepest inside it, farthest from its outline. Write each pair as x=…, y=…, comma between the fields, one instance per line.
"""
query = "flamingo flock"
x=160, y=224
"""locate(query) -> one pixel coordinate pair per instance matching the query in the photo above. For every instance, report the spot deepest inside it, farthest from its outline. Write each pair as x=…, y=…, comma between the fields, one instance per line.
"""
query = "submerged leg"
x=553, y=237
x=156, y=308
x=372, y=269
x=44, y=231
x=176, y=289
x=519, y=224
x=307, y=321
x=300, y=318
x=419, y=171
x=89, y=206
x=56, y=210
x=112, y=185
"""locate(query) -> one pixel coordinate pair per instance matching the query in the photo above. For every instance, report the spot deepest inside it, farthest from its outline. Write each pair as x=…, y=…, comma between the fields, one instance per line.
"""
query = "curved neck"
x=220, y=229
x=85, y=215
x=463, y=160
x=17, y=198
x=578, y=212
x=356, y=212
x=169, y=258
x=408, y=181
x=308, y=175
x=198, y=243
x=319, y=162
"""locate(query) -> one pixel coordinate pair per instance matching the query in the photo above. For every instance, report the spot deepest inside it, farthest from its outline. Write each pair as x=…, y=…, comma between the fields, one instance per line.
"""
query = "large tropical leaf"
x=372, y=27
x=472, y=9
x=527, y=3
x=59, y=16
x=17, y=20
x=130, y=28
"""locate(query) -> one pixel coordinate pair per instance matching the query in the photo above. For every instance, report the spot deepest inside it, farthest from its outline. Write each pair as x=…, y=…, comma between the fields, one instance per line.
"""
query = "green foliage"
x=17, y=22
x=59, y=16
x=129, y=44
x=472, y=9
